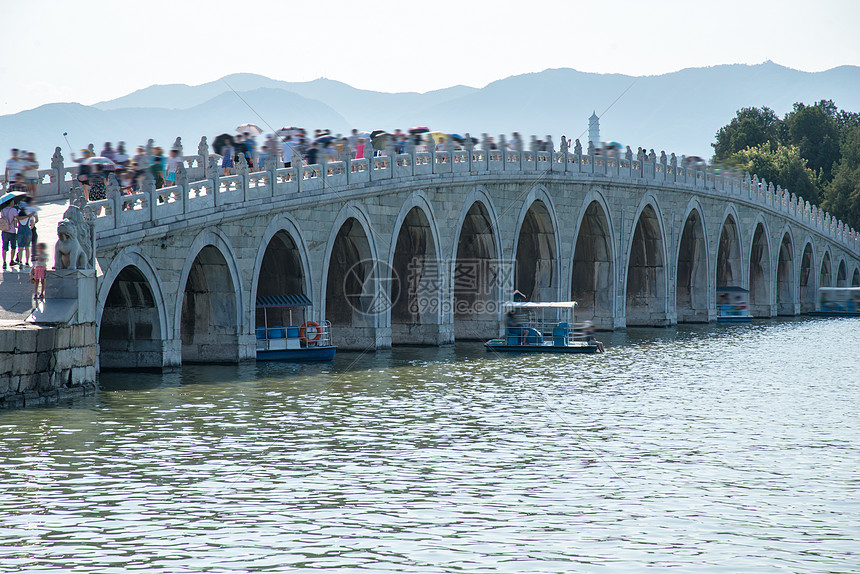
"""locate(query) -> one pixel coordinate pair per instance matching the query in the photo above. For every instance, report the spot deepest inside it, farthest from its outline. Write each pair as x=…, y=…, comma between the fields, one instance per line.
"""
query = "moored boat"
x=838, y=302
x=304, y=340
x=733, y=305
x=549, y=327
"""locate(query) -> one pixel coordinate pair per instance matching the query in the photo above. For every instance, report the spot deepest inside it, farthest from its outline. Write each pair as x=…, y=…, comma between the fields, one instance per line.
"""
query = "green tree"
x=781, y=164
x=842, y=196
x=751, y=127
x=814, y=129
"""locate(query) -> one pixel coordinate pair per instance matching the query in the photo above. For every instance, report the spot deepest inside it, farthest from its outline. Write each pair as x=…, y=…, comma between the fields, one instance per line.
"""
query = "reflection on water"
x=717, y=448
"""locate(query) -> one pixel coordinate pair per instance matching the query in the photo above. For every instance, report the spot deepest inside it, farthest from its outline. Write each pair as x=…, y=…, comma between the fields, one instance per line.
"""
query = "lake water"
x=697, y=448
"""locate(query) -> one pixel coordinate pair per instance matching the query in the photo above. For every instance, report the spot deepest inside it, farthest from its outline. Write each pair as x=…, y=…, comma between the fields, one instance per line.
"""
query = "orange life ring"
x=316, y=330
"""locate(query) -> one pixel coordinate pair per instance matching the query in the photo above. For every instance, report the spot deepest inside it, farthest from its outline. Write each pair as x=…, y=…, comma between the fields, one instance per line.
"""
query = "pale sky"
x=102, y=49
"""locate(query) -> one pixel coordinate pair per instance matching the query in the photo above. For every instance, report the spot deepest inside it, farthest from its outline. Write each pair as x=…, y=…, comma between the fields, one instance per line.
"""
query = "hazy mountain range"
x=680, y=111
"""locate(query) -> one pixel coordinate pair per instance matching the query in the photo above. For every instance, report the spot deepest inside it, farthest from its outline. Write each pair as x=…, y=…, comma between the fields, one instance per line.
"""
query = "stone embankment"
x=40, y=364
x=48, y=353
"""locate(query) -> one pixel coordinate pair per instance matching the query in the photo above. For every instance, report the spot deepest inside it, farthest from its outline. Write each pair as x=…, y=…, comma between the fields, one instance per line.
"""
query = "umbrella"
x=419, y=130
x=457, y=138
x=104, y=162
x=288, y=131
x=220, y=141
x=252, y=129
x=11, y=195
x=376, y=133
x=438, y=137
x=324, y=139
x=380, y=141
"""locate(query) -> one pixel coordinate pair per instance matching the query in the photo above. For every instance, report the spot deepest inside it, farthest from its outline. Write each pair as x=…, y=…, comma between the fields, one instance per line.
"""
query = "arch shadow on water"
x=357, y=369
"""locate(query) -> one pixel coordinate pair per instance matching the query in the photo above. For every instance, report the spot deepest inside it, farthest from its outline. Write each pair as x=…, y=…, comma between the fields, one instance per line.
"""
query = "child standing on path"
x=37, y=273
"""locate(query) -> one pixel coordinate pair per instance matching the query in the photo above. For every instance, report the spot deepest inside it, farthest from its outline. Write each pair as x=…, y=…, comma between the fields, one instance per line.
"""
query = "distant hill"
x=360, y=107
x=680, y=111
x=41, y=129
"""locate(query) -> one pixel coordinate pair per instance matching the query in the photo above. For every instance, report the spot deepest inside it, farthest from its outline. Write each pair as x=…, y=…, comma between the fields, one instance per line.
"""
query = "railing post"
x=203, y=152
x=113, y=194
x=243, y=176
x=182, y=184
x=151, y=197
x=469, y=148
x=297, y=163
x=431, y=149
x=214, y=182
x=59, y=170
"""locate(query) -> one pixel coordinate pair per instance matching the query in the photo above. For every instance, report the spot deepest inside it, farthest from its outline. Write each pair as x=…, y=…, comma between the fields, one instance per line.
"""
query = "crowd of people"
x=280, y=149
x=21, y=248
x=289, y=143
x=93, y=170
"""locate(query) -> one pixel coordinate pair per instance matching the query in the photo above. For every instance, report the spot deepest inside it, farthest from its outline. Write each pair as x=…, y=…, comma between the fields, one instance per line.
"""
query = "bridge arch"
x=806, y=288
x=692, y=291
x=536, y=248
x=729, y=271
x=209, y=306
x=592, y=266
x=825, y=276
x=646, y=294
x=281, y=267
x=351, y=295
x=760, y=275
x=131, y=315
x=786, y=278
x=477, y=274
x=416, y=268
x=841, y=274
x=855, y=278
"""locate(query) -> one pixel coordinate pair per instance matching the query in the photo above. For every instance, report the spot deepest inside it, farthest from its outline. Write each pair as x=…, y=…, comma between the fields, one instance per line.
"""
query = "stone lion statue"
x=74, y=241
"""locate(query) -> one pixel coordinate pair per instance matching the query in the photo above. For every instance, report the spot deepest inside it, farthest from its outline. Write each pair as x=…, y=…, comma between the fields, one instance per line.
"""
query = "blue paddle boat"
x=293, y=342
x=544, y=328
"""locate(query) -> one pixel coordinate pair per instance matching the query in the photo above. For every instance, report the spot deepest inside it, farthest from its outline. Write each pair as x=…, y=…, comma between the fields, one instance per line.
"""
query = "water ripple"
x=702, y=449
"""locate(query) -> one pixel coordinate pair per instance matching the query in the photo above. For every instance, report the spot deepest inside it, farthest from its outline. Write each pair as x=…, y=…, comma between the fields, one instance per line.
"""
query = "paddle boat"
x=733, y=305
x=544, y=328
x=305, y=342
x=838, y=302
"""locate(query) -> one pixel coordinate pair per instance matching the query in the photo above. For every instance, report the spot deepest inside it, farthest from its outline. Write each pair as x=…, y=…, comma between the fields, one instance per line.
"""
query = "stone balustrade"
x=202, y=189
x=57, y=181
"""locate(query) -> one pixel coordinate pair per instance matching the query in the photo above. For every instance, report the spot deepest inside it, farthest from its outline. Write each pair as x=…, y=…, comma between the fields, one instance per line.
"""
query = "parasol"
x=252, y=129
x=11, y=195
x=104, y=162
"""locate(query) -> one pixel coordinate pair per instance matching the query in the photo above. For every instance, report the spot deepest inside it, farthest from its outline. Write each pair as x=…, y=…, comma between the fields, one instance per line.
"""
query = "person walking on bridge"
x=9, y=218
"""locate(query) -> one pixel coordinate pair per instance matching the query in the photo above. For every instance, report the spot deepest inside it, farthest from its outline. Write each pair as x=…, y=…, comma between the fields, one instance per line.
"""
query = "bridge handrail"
x=206, y=188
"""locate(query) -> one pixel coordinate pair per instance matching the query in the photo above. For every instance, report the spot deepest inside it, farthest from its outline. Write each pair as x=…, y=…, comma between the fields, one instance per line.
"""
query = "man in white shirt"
x=287, y=151
x=13, y=166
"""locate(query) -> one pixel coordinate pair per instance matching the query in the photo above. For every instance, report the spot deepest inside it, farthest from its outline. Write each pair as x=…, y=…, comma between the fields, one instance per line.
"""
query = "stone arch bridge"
x=421, y=248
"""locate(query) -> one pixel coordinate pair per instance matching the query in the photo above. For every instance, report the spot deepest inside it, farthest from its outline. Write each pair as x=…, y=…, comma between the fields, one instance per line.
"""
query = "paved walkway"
x=16, y=291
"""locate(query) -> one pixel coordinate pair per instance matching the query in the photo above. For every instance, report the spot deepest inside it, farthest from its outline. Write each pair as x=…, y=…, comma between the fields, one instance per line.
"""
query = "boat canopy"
x=731, y=289
x=269, y=301
x=539, y=305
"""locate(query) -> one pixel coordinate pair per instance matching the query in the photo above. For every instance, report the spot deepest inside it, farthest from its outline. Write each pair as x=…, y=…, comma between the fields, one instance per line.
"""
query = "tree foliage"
x=842, y=196
x=814, y=152
x=784, y=166
x=750, y=128
x=815, y=131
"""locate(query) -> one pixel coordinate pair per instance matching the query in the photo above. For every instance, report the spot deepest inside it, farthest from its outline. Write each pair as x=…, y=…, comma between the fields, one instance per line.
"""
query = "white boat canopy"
x=540, y=305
